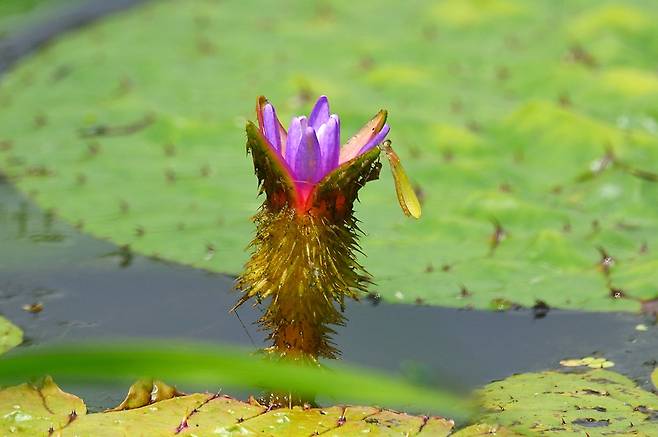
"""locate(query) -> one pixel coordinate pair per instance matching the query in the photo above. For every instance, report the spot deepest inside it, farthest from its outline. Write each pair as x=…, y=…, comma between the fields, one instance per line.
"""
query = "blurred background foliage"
x=529, y=130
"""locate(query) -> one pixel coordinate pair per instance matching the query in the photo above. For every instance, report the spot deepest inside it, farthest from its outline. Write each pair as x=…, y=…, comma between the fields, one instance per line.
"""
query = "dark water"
x=91, y=290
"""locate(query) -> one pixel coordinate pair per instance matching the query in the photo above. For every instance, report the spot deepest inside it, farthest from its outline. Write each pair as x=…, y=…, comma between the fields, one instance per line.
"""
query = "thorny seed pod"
x=304, y=253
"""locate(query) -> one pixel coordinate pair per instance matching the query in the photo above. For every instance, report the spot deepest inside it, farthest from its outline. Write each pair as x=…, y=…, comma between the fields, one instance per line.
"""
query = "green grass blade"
x=197, y=363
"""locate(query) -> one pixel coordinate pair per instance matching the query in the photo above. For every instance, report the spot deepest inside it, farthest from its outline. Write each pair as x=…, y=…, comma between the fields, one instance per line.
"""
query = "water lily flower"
x=311, y=148
x=304, y=254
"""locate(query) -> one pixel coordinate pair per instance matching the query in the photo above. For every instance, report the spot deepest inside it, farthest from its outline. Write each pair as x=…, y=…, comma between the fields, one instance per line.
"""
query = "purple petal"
x=329, y=139
x=376, y=140
x=307, y=162
x=295, y=134
x=320, y=113
x=271, y=126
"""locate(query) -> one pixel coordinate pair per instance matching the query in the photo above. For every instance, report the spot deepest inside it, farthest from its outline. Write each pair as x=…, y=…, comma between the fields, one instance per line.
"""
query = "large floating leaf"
x=485, y=429
x=595, y=403
x=10, y=335
x=228, y=366
x=27, y=410
x=529, y=129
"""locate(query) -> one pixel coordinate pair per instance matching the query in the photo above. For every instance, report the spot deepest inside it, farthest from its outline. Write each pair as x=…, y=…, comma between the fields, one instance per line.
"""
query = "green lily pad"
x=485, y=429
x=28, y=410
x=594, y=363
x=10, y=335
x=594, y=403
x=47, y=410
x=535, y=166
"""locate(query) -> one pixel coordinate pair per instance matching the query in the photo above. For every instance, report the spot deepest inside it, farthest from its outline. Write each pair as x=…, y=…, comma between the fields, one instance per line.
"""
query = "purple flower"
x=311, y=148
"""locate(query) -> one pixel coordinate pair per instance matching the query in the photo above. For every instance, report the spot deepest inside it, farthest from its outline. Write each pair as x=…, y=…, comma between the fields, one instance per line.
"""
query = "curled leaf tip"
x=406, y=195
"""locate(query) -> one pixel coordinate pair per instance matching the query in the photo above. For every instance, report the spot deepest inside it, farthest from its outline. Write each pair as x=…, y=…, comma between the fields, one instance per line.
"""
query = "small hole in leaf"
x=617, y=293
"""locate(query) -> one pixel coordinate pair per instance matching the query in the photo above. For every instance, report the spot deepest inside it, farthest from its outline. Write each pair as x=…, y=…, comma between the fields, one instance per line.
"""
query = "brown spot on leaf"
x=6, y=145
x=564, y=100
x=499, y=234
x=596, y=226
x=169, y=149
x=124, y=87
x=124, y=206
x=502, y=74
x=93, y=148
x=100, y=130
x=606, y=262
x=430, y=32
x=170, y=175
x=72, y=416
x=210, y=251
x=580, y=55
x=38, y=171
x=304, y=95
x=60, y=73
x=448, y=155
x=473, y=126
x=40, y=120
x=591, y=422
x=456, y=106
x=644, y=174
x=366, y=63
x=205, y=46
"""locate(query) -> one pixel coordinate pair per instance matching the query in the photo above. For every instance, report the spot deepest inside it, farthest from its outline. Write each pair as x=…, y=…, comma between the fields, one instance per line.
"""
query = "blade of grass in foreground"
x=196, y=363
